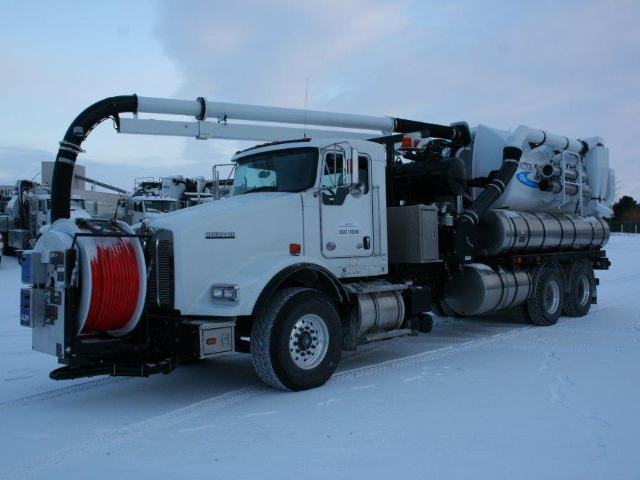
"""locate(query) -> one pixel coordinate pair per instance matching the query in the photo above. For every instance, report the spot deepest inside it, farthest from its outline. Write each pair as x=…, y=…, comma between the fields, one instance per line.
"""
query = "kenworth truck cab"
x=291, y=204
x=326, y=242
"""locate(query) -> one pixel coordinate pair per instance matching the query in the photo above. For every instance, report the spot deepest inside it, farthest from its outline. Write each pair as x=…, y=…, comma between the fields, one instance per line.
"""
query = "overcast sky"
x=571, y=67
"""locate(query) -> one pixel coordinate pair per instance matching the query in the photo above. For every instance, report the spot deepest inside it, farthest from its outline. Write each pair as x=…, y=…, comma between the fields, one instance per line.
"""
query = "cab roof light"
x=269, y=144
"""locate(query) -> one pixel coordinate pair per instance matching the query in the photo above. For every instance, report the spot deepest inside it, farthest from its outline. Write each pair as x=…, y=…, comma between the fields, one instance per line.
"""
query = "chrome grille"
x=160, y=286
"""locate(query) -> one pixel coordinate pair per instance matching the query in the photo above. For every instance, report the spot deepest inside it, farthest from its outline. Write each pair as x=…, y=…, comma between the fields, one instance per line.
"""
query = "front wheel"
x=296, y=341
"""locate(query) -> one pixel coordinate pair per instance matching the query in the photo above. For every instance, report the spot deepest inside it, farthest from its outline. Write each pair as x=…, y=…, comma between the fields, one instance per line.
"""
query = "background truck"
x=330, y=238
x=28, y=211
x=151, y=197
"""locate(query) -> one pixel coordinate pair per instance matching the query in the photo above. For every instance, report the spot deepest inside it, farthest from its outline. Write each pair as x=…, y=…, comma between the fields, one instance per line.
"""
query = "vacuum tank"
x=547, y=179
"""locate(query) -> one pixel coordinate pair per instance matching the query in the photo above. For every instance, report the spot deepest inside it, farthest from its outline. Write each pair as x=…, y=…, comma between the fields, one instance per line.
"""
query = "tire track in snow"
x=102, y=382
x=625, y=278
x=214, y=403
x=426, y=356
x=183, y=414
x=117, y=436
x=61, y=392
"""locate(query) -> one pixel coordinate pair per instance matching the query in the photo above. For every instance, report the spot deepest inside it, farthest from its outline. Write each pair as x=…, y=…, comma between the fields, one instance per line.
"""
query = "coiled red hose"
x=115, y=287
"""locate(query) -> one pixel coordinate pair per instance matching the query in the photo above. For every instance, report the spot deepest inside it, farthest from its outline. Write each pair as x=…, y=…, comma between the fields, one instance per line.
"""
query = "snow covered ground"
x=476, y=398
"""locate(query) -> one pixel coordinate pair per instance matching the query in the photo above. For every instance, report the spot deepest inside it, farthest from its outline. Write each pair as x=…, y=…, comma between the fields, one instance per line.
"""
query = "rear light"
x=407, y=142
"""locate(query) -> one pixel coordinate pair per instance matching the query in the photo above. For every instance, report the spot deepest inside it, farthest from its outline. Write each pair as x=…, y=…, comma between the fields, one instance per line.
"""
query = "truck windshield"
x=291, y=170
x=162, y=206
x=77, y=203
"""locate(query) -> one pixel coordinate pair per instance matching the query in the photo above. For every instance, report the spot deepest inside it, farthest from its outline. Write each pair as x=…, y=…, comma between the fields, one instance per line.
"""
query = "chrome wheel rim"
x=584, y=290
x=309, y=341
x=551, y=297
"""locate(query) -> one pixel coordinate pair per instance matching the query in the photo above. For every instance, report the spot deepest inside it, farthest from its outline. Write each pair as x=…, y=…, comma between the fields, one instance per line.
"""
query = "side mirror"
x=354, y=169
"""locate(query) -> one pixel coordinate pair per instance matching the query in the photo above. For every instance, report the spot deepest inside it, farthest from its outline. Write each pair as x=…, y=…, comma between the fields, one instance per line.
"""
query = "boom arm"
x=202, y=109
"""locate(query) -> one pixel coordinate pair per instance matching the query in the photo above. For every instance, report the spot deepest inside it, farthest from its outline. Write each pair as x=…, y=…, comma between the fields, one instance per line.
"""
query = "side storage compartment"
x=413, y=234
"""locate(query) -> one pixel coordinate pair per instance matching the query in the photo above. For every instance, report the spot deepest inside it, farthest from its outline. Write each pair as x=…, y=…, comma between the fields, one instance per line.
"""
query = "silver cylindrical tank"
x=380, y=311
x=477, y=288
x=506, y=231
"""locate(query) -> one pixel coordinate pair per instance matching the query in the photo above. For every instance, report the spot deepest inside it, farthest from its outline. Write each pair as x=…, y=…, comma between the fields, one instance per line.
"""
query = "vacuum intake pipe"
x=70, y=147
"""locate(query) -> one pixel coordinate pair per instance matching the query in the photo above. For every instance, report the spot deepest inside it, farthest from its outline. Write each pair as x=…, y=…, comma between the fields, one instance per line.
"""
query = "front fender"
x=251, y=278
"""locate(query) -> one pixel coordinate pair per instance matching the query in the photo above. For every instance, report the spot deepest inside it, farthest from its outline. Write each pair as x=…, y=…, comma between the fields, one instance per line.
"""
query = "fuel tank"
x=506, y=231
x=477, y=288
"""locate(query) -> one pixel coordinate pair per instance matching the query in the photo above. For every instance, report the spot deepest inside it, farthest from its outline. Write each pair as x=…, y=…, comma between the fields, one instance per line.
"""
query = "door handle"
x=366, y=242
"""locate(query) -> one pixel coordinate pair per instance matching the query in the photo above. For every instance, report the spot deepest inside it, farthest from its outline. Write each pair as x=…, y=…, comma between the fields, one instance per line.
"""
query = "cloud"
x=569, y=67
x=263, y=51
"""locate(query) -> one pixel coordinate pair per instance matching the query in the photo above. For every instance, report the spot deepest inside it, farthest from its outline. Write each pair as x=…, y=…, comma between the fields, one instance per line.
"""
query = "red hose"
x=115, y=287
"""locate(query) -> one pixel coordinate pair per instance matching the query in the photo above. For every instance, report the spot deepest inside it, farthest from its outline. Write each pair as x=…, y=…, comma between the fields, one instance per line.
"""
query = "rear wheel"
x=520, y=314
x=296, y=341
x=425, y=323
x=581, y=289
x=544, y=306
x=441, y=308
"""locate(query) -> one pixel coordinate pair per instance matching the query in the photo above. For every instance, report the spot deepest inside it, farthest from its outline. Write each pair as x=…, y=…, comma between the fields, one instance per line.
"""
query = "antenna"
x=306, y=95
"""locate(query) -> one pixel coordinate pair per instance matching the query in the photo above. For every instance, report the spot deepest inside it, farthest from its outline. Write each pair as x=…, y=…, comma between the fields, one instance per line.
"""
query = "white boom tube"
x=258, y=113
x=524, y=134
x=204, y=130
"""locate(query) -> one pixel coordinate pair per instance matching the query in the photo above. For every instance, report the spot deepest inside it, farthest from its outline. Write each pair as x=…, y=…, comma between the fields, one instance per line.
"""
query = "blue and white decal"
x=523, y=178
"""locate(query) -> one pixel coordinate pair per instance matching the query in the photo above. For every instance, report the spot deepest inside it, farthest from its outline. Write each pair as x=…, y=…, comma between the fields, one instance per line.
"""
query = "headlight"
x=225, y=292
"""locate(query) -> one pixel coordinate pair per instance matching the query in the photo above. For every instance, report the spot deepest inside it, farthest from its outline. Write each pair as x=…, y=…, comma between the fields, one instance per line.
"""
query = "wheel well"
x=301, y=275
x=305, y=275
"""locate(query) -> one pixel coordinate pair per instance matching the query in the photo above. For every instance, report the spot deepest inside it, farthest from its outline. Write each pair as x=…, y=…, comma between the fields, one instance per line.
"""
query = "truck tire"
x=425, y=323
x=296, y=341
x=441, y=308
x=581, y=289
x=520, y=314
x=544, y=306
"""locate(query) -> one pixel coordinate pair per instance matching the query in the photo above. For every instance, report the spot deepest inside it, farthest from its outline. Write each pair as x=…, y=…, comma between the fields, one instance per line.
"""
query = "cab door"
x=346, y=210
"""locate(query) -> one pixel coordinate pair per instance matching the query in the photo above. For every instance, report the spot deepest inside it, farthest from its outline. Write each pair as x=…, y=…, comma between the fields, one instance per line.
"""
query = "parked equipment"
x=330, y=238
x=151, y=197
x=29, y=211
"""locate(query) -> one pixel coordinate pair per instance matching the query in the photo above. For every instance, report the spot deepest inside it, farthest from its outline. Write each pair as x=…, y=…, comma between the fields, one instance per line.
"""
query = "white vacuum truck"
x=331, y=238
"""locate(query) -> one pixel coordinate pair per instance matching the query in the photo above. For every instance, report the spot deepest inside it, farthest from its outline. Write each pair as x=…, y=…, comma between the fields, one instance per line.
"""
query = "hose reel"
x=111, y=273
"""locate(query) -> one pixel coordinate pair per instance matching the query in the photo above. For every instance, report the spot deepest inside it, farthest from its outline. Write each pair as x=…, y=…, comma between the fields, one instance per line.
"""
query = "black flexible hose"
x=466, y=225
x=70, y=147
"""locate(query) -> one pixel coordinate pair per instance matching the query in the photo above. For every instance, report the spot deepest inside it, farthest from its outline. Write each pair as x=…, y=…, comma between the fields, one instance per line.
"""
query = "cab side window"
x=332, y=177
x=363, y=174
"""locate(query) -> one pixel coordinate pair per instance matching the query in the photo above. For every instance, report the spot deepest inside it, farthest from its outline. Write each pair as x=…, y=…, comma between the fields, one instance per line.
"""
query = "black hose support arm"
x=70, y=147
x=457, y=133
x=469, y=219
